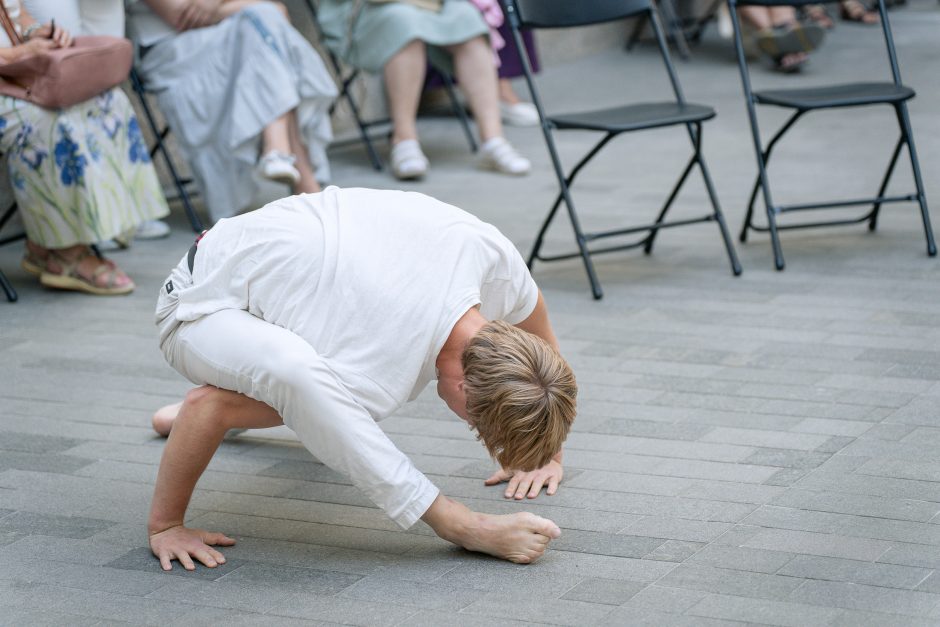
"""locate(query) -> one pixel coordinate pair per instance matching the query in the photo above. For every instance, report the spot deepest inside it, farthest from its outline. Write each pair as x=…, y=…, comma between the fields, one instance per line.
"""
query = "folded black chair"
x=803, y=100
x=612, y=122
x=160, y=135
x=346, y=79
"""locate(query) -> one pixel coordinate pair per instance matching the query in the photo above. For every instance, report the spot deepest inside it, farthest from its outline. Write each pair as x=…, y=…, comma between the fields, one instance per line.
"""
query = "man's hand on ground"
x=184, y=544
x=529, y=483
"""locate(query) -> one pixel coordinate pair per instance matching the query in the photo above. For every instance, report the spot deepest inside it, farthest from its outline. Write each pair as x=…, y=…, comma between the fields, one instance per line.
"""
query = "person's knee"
x=209, y=404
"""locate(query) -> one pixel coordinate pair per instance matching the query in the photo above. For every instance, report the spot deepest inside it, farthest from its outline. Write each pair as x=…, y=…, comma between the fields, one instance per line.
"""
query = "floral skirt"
x=79, y=175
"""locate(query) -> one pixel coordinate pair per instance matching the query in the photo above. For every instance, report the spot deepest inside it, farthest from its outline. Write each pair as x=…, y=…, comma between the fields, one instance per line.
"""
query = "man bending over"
x=327, y=312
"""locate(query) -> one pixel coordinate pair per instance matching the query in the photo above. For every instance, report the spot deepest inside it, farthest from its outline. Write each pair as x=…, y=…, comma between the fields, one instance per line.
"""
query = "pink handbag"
x=63, y=77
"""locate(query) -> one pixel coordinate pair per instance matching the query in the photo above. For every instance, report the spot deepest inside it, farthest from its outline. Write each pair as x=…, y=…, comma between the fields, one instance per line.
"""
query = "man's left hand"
x=529, y=483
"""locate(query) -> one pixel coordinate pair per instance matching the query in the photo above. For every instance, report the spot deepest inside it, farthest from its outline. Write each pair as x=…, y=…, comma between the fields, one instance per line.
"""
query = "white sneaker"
x=498, y=154
x=408, y=161
x=519, y=114
x=279, y=167
x=152, y=229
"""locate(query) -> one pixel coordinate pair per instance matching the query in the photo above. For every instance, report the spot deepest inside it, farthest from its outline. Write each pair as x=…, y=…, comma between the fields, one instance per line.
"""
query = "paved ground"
x=759, y=449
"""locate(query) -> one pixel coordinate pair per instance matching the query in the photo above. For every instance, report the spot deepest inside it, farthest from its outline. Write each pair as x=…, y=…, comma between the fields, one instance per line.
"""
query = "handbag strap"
x=8, y=26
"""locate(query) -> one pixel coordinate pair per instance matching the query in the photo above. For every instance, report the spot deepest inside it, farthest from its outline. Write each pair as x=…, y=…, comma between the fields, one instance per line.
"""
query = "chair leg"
x=363, y=130
x=876, y=208
x=12, y=296
x=648, y=247
x=719, y=216
x=918, y=181
x=459, y=111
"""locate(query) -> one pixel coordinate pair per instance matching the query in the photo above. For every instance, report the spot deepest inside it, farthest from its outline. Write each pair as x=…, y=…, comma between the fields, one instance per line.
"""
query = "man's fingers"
x=185, y=560
x=552, y=485
x=547, y=528
x=513, y=484
x=165, y=560
x=217, y=555
x=523, y=487
x=218, y=539
x=536, y=487
x=497, y=477
x=205, y=557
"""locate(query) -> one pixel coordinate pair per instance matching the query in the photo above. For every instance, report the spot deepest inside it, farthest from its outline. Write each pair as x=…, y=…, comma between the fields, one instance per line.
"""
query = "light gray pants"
x=234, y=350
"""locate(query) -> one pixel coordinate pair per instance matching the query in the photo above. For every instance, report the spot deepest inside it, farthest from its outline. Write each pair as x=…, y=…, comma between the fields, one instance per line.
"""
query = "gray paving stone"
x=861, y=597
x=757, y=437
x=787, y=458
x=859, y=618
x=290, y=578
x=607, y=543
x=89, y=551
x=893, y=432
x=81, y=576
x=677, y=529
x=853, y=571
x=51, y=525
x=786, y=477
x=141, y=559
x=553, y=611
x=604, y=591
x=439, y=595
x=345, y=611
x=742, y=558
x=659, y=618
x=652, y=429
x=305, y=471
x=733, y=582
x=253, y=597
x=851, y=428
x=660, y=599
x=32, y=443
x=428, y=618
x=862, y=505
x=21, y=460
x=835, y=444
x=674, y=551
x=763, y=611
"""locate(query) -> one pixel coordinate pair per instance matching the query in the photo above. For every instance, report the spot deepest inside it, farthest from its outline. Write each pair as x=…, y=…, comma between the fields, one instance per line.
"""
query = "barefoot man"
x=327, y=312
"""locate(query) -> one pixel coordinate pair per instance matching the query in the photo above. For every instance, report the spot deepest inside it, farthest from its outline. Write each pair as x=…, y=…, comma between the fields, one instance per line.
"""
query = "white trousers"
x=234, y=350
x=81, y=17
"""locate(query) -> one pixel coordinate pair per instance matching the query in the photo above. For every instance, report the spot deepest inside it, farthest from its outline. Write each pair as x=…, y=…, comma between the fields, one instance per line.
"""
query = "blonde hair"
x=521, y=395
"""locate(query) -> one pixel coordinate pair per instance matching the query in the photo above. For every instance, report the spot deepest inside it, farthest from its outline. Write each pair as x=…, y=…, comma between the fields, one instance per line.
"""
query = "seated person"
x=79, y=175
x=241, y=89
x=396, y=39
x=95, y=17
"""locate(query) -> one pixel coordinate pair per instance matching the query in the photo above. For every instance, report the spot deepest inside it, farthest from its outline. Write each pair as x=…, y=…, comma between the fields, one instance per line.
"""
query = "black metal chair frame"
x=160, y=136
x=690, y=116
x=346, y=78
x=896, y=95
x=8, y=289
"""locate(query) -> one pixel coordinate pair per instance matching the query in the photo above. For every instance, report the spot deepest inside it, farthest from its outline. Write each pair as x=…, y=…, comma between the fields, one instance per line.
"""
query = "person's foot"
x=789, y=39
x=163, y=418
x=518, y=113
x=519, y=538
x=152, y=229
x=791, y=63
x=855, y=11
x=499, y=155
x=79, y=269
x=279, y=167
x=408, y=161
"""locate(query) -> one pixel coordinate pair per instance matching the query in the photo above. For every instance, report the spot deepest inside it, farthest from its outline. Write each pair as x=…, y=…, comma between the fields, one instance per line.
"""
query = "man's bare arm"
x=206, y=415
x=520, y=538
x=538, y=323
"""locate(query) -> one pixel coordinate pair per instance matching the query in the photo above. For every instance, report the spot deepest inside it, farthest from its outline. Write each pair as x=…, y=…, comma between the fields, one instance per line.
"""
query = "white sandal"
x=498, y=154
x=408, y=162
x=279, y=167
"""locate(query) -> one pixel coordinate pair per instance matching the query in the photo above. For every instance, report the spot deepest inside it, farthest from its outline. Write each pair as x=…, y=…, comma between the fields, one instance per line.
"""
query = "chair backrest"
x=739, y=42
x=570, y=13
x=566, y=13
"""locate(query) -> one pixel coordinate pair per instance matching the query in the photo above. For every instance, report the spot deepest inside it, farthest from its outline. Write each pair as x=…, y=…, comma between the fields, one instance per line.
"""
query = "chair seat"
x=845, y=95
x=633, y=117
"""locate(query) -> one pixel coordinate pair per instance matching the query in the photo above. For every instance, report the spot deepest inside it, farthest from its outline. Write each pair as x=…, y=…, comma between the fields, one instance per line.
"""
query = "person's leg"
x=757, y=17
x=782, y=15
x=404, y=76
x=276, y=136
x=308, y=179
x=476, y=75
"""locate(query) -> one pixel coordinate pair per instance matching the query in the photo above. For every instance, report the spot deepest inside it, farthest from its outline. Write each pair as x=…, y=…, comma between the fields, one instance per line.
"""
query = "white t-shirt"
x=374, y=280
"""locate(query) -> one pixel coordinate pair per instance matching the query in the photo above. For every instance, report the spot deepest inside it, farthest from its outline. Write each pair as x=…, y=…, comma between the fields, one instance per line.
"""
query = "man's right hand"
x=184, y=544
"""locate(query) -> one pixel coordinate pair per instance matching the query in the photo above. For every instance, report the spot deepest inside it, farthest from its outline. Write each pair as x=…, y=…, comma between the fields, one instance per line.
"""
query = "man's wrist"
x=156, y=526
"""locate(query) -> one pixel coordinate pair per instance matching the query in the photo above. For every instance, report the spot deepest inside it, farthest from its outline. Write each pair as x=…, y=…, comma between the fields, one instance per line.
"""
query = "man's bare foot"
x=163, y=418
x=519, y=538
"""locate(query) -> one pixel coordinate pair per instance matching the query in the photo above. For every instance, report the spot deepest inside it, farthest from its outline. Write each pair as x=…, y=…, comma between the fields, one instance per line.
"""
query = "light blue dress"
x=367, y=34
